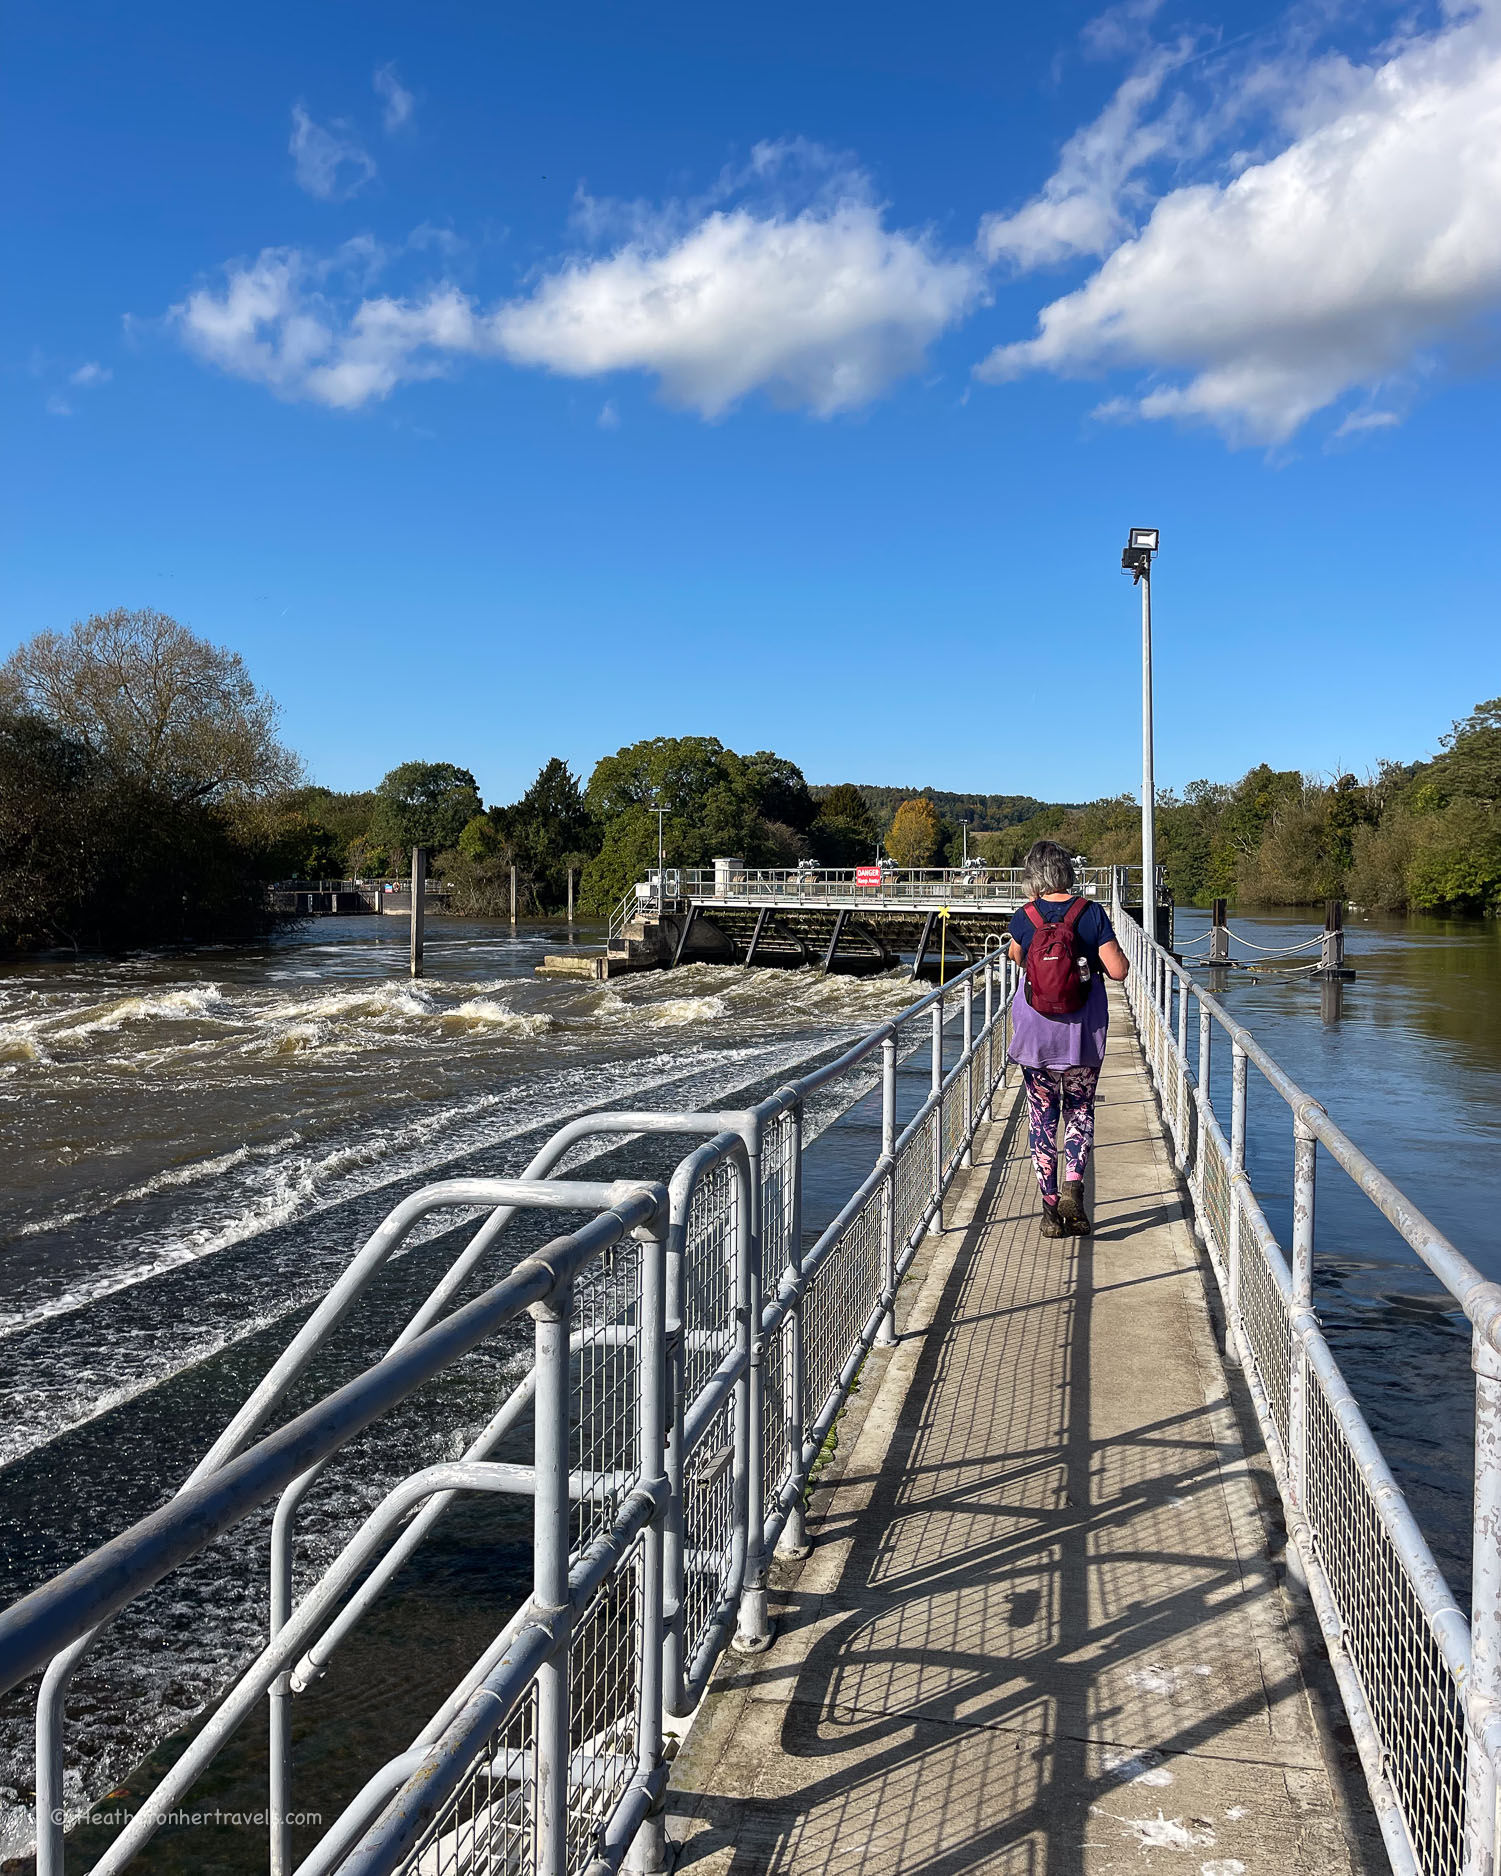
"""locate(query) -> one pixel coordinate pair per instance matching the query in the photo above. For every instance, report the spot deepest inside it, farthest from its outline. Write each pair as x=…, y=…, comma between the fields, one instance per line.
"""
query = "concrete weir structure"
x=1040, y=1628
x=853, y=920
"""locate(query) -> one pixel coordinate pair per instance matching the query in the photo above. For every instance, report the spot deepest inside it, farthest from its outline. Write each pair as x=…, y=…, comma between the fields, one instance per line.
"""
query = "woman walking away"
x=1067, y=948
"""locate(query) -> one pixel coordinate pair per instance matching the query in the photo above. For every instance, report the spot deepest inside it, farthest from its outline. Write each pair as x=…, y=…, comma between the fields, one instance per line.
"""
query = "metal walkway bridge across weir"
x=854, y=920
x=905, y=1542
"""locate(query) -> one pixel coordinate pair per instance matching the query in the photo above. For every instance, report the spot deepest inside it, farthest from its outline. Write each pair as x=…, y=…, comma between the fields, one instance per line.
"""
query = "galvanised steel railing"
x=974, y=884
x=1420, y=1683
x=690, y=1359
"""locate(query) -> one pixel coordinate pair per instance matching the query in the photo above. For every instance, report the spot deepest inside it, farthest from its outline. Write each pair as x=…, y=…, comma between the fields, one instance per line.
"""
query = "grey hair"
x=1048, y=869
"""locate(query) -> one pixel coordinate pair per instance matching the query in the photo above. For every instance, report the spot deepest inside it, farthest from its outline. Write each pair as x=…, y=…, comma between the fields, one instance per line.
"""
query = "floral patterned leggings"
x=1075, y=1087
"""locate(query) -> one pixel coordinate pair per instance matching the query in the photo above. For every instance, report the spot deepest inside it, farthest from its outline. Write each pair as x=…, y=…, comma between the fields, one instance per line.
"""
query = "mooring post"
x=570, y=895
x=1332, y=948
x=1219, y=933
x=513, y=895
x=419, y=905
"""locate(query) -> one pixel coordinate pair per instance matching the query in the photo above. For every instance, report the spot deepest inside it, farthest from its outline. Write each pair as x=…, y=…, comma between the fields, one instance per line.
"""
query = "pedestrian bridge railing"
x=1421, y=1683
x=690, y=1356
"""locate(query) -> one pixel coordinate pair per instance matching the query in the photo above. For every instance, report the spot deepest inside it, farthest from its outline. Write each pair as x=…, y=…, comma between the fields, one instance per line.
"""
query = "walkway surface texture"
x=1039, y=1633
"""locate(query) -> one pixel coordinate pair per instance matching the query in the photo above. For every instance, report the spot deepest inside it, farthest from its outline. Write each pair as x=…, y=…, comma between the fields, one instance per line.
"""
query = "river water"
x=195, y=1145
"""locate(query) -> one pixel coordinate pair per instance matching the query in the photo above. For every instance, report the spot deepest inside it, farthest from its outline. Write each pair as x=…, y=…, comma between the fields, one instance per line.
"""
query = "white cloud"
x=1084, y=206
x=398, y=100
x=1337, y=264
x=331, y=163
x=59, y=406
x=824, y=308
x=90, y=374
x=609, y=416
x=276, y=323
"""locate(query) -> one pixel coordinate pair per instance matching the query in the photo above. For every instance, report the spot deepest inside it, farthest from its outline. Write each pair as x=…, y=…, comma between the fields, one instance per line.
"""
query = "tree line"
x=1419, y=837
x=146, y=798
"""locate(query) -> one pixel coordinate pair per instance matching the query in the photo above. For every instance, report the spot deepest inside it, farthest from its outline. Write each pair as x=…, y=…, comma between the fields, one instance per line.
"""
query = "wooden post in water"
x=513, y=895
x=419, y=905
x=570, y=895
x=1219, y=934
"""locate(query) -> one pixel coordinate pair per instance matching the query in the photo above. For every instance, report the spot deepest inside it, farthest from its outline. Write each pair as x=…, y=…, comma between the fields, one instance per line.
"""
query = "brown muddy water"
x=194, y=1146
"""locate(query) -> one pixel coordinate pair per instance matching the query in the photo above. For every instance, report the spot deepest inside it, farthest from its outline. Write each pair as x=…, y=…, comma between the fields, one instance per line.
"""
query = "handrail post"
x=753, y=1629
x=935, y=1226
x=1206, y=1097
x=1484, y=1699
x=1305, y=1157
x=886, y=1333
x=550, y=1577
x=793, y=1541
x=648, y=1852
x=987, y=1113
x=1182, y=1071
x=1238, y=1068
x=968, y=1158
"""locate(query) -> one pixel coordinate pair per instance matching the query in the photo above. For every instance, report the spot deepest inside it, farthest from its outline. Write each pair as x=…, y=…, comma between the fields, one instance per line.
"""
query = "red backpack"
x=1057, y=971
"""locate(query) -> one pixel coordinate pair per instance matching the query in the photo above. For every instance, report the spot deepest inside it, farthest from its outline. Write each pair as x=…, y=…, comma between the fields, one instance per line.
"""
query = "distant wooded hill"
x=983, y=814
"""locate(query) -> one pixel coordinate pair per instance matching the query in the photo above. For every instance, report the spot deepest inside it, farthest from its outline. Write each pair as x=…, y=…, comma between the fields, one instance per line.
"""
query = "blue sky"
x=514, y=382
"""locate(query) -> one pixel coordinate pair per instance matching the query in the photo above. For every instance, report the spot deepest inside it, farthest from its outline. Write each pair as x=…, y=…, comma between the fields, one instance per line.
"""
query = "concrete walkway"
x=1039, y=1633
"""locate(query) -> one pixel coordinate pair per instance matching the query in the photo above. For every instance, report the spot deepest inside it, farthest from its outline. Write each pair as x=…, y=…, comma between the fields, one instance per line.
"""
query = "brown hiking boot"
x=1052, y=1225
x=1071, y=1207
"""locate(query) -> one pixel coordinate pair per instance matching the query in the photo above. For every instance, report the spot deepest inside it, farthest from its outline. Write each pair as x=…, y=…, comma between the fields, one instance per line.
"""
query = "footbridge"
x=868, y=1531
x=854, y=920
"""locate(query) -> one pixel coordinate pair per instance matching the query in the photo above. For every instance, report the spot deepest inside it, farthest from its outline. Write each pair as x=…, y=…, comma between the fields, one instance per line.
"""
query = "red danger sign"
x=867, y=876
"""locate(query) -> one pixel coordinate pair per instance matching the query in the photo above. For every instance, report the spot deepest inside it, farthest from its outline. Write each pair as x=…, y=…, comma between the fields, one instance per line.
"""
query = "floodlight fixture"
x=1141, y=544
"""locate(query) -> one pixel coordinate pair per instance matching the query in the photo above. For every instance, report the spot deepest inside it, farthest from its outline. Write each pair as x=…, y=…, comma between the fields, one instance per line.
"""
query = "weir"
x=851, y=919
x=1027, y=1620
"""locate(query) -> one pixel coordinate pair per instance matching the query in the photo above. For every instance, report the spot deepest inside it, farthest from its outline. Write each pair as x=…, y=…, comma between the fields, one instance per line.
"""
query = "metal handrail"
x=1420, y=1684
x=759, y=1149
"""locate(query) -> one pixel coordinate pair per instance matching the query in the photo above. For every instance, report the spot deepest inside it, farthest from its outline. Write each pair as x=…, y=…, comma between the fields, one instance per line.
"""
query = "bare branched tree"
x=157, y=705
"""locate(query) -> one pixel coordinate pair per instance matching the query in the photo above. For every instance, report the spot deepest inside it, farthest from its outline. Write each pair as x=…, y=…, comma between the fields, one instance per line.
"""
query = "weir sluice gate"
x=852, y=920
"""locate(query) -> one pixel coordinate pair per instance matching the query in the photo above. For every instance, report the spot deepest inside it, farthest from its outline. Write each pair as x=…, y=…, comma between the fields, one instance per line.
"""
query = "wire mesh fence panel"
x=914, y=1181
x=777, y=1151
x=487, y=1828
x=708, y=1526
x=840, y=1300
x=1264, y=1319
x=952, y=1110
x=776, y=1367
x=1214, y=1194
x=1413, y=1700
x=604, y=1678
x=605, y=1338
x=709, y=1276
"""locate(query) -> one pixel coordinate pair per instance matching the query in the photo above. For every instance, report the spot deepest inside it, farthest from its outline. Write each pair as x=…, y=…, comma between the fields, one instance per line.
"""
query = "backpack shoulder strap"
x=1033, y=913
x=1075, y=912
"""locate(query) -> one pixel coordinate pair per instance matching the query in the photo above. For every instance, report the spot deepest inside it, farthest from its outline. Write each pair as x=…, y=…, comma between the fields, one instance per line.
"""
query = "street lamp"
x=1141, y=545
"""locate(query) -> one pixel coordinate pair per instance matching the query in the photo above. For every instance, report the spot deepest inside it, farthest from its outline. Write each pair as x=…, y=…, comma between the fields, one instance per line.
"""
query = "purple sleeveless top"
x=1076, y=1041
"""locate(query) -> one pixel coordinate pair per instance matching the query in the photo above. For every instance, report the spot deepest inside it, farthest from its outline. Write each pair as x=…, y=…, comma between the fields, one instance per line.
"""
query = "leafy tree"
x=155, y=706
x=845, y=831
x=1471, y=763
x=90, y=857
x=422, y=804
x=914, y=834
x=718, y=803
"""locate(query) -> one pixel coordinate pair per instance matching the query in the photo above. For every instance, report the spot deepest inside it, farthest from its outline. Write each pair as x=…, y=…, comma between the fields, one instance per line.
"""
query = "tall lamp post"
x=661, y=814
x=1141, y=545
